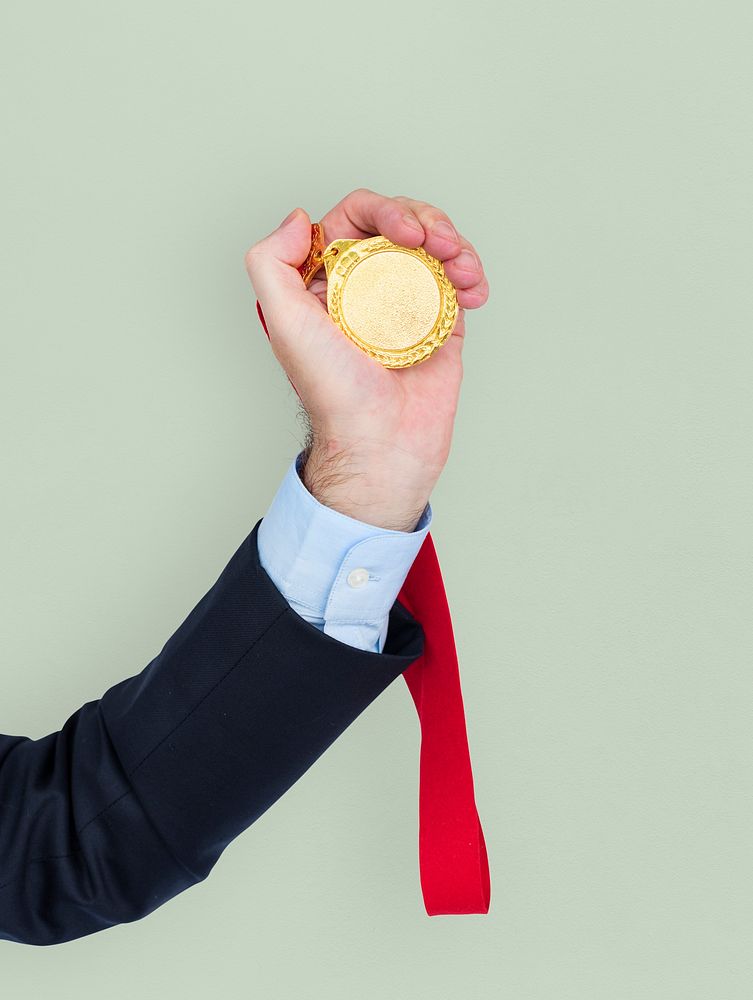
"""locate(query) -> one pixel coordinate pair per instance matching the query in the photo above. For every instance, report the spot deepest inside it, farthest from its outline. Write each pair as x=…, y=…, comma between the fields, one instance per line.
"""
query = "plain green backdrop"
x=593, y=523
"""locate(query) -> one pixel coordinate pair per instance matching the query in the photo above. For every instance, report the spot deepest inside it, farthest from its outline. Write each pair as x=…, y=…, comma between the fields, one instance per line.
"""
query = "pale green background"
x=593, y=522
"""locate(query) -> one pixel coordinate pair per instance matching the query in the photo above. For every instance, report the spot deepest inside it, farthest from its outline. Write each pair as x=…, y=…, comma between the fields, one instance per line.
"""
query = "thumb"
x=272, y=266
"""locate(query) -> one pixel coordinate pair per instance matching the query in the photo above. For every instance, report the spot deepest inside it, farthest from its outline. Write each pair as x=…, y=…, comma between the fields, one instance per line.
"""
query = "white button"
x=358, y=577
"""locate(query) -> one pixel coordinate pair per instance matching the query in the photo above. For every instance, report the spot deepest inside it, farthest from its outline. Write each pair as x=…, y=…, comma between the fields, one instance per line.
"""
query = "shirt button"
x=358, y=577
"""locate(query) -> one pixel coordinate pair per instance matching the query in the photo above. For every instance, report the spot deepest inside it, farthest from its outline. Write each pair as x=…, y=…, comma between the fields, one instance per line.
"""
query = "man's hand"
x=380, y=436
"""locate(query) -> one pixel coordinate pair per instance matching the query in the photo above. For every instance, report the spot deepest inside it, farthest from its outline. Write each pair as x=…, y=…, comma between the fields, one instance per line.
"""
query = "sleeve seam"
x=206, y=695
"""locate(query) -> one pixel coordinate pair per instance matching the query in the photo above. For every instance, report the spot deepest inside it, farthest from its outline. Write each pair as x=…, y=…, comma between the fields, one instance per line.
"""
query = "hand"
x=380, y=436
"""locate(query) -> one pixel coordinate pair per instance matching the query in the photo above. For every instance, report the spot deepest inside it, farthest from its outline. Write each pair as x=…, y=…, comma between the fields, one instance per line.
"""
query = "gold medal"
x=396, y=303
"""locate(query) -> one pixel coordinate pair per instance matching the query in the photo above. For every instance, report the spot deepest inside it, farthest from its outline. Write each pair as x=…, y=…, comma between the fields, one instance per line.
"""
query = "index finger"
x=364, y=213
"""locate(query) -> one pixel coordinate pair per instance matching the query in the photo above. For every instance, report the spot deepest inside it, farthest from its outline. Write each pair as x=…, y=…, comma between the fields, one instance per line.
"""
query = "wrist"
x=389, y=490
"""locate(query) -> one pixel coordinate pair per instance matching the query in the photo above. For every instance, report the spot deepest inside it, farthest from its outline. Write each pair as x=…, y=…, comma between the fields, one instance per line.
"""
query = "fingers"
x=474, y=297
x=466, y=273
x=442, y=238
x=462, y=263
x=364, y=213
x=272, y=263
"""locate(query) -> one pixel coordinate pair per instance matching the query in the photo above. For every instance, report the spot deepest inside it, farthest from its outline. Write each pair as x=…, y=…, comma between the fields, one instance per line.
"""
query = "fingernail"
x=412, y=221
x=466, y=260
x=288, y=218
x=444, y=229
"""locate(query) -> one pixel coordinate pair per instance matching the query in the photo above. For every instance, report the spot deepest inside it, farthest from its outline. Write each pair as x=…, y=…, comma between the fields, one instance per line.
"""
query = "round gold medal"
x=396, y=303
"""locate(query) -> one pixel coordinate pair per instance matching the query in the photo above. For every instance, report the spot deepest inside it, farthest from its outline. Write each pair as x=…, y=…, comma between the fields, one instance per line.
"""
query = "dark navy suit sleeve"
x=138, y=794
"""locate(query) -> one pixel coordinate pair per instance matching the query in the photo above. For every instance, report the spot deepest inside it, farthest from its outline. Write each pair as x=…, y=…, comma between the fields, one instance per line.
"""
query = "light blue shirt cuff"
x=339, y=573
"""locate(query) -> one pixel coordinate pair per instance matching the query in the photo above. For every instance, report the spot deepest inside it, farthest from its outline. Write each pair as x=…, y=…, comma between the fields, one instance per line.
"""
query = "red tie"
x=452, y=855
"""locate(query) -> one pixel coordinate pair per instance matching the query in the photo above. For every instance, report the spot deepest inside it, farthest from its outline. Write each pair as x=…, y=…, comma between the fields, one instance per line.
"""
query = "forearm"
x=139, y=793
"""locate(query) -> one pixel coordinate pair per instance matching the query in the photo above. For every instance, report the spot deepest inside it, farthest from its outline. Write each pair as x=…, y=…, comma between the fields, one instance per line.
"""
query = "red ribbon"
x=453, y=863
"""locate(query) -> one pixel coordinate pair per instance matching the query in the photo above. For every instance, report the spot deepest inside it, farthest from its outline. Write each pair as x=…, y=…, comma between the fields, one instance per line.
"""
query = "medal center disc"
x=391, y=300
